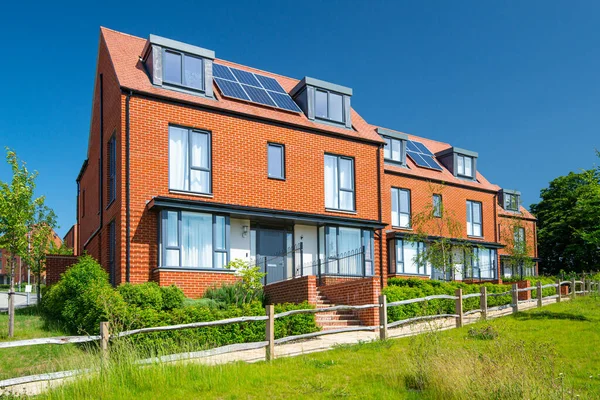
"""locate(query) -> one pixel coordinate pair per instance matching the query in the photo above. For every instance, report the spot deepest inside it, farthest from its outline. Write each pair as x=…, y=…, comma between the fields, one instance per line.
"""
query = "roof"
x=445, y=175
x=523, y=213
x=125, y=52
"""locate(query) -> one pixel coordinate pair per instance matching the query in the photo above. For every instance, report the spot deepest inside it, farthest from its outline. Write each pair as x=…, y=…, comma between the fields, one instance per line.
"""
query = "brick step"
x=348, y=314
x=339, y=323
x=335, y=317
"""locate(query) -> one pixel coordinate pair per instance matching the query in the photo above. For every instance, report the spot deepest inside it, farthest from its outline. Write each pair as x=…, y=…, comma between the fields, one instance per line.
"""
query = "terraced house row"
x=194, y=161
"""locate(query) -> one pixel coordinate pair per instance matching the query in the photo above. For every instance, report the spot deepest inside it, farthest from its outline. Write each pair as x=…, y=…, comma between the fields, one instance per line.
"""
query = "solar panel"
x=421, y=155
x=252, y=87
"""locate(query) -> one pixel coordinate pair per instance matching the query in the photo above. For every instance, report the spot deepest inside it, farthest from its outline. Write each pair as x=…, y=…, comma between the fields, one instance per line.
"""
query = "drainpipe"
x=381, y=231
x=127, y=192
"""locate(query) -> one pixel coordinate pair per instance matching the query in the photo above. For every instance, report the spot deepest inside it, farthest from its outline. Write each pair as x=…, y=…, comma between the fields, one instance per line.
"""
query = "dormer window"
x=329, y=105
x=509, y=199
x=179, y=66
x=324, y=102
x=183, y=70
x=464, y=166
x=394, y=150
x=462, y=163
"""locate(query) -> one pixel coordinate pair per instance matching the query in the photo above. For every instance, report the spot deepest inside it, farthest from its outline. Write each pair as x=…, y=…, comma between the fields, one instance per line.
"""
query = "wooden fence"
x=585, y=287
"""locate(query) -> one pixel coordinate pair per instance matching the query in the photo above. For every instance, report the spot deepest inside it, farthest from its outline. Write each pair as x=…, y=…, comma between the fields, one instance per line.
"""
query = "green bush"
x=404, y=289
x=144, y=295
x=172, y=297
x=83, y=298
x=236, y=294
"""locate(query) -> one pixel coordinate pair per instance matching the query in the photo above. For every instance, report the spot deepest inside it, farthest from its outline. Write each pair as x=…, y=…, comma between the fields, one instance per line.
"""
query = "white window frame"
x=188, y=161
x=461, y=167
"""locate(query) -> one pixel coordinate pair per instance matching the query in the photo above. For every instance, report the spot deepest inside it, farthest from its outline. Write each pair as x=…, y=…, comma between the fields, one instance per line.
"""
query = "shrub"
x=172, y=297
x=82, y=298
x=144, y=295
x=236, y=294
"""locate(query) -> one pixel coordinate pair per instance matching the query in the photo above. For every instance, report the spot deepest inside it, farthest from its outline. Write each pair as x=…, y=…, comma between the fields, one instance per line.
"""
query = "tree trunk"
x=11, y=299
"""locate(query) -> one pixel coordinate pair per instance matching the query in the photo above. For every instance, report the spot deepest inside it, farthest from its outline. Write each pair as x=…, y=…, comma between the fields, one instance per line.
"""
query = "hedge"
x=404, y=289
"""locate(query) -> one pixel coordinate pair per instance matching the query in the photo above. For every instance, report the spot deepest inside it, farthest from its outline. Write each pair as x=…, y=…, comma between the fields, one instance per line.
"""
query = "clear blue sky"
x=516, y=81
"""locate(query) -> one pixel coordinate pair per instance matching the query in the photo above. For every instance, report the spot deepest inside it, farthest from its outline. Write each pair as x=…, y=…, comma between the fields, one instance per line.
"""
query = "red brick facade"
x=293, y=291
x=56, y=265
x=354, y=292
x=138, y=114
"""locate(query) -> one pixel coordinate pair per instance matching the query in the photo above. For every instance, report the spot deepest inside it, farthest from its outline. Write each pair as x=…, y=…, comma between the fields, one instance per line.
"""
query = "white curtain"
x=178, y=167
x=331, y=183
x=346, y=182
x=196, y=232
x=410, y=255
x=476, y=219
x=404, y=208
x=199, y=180
x=349, y=240
x=395, y=208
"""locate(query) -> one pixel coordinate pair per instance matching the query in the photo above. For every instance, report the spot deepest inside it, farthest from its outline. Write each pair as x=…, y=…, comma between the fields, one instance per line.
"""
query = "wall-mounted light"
x=244, y=231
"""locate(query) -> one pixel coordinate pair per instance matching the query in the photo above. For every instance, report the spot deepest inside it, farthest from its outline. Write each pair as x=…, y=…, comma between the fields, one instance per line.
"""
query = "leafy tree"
x=17, y=217
x=517, y=247
x=568, y=215
x=439, y=228
x=40, y=241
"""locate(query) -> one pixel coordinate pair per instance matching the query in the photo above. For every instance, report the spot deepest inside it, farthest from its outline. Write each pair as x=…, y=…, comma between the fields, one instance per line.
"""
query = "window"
x=339, y=182
x=401, y=208
x=329, y=105
x=407, y=255
x=189, y=160
x=276, y=161
x=112, y=169
x=437, y=205
x=474, y=218
x=511, y=202
x=393, y=150
x=519, y=238
x=183, y=70
x=464, y=165
x=112, y=246
x=194, y=240
x=481, y=264
x=342, y=251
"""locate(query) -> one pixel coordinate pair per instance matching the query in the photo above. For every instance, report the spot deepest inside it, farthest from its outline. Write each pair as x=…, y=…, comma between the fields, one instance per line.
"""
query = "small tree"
x=17, y=216
x=40, y=242
x=440, y=229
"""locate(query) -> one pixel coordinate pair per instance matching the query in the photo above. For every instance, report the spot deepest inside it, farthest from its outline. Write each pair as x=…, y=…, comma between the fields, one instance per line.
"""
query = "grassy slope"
x=454, y=364
x=30, y=360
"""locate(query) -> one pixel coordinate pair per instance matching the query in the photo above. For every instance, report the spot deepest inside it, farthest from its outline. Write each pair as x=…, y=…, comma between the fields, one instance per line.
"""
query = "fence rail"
x=105, y=337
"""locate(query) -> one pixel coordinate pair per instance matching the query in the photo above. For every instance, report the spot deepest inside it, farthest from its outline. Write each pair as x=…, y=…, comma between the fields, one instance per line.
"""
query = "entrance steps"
x=331, y=320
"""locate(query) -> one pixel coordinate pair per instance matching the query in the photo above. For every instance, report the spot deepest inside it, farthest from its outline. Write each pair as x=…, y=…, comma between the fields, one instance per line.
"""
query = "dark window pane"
x=336, y=107
x=275, y=161
x=193, y=72
x=321, y=104
x=172, y=67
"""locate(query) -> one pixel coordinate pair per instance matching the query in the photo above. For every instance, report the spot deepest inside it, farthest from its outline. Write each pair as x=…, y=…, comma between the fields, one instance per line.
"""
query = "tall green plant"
x=17, y=217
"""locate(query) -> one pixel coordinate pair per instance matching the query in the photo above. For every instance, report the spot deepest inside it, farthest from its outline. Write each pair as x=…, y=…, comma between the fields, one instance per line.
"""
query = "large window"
x=329, y=105
x=183, y=70
x=393, y=150
x=339, y=182
x=519, y=238
x=112, y=169
x=474, y=218
x=481, y=264
x=189, y=160
x=406, y=256
x=276, y=161
x=464, y=165
x=194, y=240
x=343, y=251
x=401, y=208
x=511, y=202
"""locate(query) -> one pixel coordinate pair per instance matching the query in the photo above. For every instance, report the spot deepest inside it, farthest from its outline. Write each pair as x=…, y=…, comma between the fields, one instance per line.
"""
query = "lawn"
x=549, y=353
x=31, y=360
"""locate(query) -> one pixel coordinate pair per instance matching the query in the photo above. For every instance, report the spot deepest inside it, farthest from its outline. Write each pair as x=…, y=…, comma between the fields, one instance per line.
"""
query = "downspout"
x=496, y=236
x=127, y=193
x=101, y=169
x=381, y=231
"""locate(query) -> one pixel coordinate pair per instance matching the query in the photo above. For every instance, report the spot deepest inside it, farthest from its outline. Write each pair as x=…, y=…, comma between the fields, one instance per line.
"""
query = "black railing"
x=282, y=266
x=348, y=264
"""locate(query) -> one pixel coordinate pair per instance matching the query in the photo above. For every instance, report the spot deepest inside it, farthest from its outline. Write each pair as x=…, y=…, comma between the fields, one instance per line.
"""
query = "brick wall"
x=56, y=265
x=193, y=283
x=524, y=295
x=294, y=290
x=354, y=291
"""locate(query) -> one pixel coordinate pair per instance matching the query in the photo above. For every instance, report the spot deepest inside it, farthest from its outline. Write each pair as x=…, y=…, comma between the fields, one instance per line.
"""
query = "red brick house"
x=194, y=161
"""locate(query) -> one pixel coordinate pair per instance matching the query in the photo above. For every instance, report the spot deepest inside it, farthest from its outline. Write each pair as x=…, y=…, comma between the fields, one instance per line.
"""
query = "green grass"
x=549, y=353
x=31, y=360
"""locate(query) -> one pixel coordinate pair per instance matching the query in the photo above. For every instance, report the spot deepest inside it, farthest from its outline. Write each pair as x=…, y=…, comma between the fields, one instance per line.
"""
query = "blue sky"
x=516, y=81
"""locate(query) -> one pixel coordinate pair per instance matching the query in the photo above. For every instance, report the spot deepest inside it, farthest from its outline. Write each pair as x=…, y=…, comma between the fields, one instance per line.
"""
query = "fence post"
x=270, y=333
x=515, y=298
x=383, y=332
x=539, y=293
x=573, y=284
x=558, y=290
x=104, y=336
x=483, y=302
x=459, y=308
